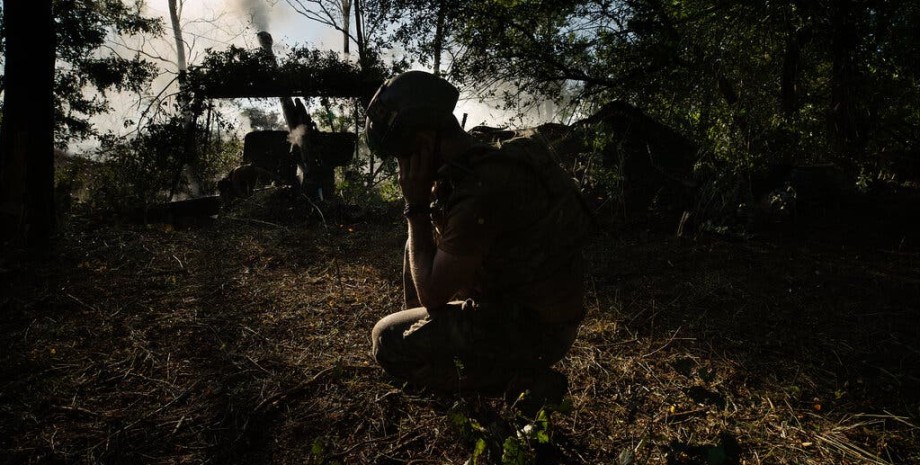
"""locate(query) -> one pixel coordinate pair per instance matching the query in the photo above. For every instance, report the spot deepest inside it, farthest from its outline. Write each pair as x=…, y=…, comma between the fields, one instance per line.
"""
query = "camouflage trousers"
x=468, y=345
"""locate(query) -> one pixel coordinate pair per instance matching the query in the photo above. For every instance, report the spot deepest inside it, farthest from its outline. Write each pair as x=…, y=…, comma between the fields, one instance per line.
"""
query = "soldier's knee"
x=384, y=339
x=393, y=348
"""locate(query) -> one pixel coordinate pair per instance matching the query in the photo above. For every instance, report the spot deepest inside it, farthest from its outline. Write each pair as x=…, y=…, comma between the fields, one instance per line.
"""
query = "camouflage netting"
x=238, y=72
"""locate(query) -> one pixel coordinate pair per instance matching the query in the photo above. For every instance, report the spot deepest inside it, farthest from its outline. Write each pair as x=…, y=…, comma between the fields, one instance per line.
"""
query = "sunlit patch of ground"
x=246, y=341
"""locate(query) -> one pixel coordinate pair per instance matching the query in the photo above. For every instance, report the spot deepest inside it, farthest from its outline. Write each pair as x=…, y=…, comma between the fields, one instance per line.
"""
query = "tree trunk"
x=185, y=106
x=362, y=61
x=27, y=135
x=346, y=19
x=789, y=79
x=844, y=128
x=439, y=38
x=177, y=35
x=359, y=34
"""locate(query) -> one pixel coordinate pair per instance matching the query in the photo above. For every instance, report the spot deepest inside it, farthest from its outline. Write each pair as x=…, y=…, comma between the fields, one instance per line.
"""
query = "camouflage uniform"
x=512, y=204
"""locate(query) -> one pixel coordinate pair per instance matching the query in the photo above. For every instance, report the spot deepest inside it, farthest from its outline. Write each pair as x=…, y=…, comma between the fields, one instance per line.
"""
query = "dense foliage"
x=143, y=170
x=753, y=82
x=239, y=72
x=83, y=76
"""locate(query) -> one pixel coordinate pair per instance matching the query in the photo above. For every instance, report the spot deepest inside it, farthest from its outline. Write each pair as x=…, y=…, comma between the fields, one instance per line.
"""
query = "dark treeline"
x=749, y=81
x=751, y=84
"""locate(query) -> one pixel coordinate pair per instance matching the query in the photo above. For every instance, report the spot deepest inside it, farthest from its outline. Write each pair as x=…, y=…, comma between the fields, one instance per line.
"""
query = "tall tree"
x=185, y=106
x=175, y=12
x=332, y=13
x=423, y=28
x=337, y=15
x=26, y=137
x=54, y=83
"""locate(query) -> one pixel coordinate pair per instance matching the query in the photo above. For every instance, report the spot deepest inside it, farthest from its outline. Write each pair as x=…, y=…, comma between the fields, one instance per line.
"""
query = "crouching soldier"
x=493, y=266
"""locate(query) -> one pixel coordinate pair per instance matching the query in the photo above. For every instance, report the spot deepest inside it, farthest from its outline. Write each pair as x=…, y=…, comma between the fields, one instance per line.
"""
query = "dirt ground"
x=245, y=340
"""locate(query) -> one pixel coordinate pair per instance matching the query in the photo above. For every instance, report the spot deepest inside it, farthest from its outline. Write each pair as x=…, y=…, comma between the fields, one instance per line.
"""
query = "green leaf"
x=475, y=426
x=478, y=449
x=513, y=452
x=317, y=447
x=457, y=418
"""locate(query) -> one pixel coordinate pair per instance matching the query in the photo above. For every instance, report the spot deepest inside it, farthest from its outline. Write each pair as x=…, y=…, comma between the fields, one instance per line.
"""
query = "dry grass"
x=246, y=341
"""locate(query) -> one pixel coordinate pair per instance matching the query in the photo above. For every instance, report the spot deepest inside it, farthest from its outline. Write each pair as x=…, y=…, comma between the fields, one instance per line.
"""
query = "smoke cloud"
x=258, y=11
x=296, y=136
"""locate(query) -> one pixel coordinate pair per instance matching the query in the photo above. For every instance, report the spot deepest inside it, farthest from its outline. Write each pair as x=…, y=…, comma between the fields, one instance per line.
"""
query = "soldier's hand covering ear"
x=416, y=177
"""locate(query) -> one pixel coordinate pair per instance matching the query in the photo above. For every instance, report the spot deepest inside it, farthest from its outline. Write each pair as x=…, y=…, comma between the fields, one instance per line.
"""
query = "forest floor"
x=246, y=340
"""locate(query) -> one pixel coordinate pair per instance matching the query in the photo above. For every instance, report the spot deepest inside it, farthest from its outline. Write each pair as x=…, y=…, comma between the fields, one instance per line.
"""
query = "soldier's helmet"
x=405, y=103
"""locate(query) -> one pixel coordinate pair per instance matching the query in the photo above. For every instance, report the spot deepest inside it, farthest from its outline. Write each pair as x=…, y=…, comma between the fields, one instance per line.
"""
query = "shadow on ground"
x=246, y=341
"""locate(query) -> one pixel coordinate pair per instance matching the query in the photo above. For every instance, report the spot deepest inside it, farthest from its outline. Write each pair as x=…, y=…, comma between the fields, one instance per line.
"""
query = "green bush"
x=154, y=166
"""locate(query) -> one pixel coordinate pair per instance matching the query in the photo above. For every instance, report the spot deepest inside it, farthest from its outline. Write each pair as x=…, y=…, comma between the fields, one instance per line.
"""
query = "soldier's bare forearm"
x=437, y=274
x=421, y=256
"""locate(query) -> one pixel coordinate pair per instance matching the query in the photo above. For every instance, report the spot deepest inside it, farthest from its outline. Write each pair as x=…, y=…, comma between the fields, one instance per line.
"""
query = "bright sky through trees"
x=219, y=24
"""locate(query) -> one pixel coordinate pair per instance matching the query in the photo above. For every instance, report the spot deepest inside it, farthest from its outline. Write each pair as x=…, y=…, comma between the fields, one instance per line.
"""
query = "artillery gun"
x=302, y=157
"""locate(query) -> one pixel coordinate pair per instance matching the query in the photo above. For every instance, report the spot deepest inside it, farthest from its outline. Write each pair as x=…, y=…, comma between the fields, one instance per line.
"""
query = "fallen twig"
x=253, y=220
x=148, y=415
x=274, y=399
